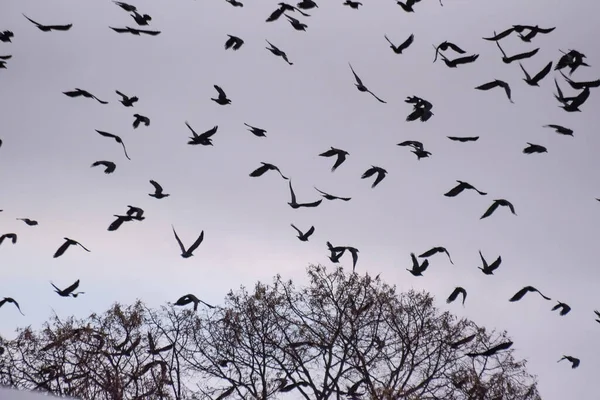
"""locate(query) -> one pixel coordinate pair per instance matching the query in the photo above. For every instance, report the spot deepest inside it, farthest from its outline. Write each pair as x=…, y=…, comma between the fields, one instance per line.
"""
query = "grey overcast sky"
x=49, y=143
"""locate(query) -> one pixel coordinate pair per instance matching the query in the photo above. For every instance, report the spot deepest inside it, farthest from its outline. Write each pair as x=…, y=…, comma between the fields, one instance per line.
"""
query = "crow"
x=496, y=83
x=126, y=100
x=538, y=77
x=11, y=236
x=117, y=139
x=352, y=4
x=68, y=242
x=69, y=291
x=463, y=138
x=158, y=191
x=134, y=31
x=222, y=98
x=233, y=43
x=519, y=295
x=264, y=168
x=435, y=250
x=574, y=361
x=80, y=92
x=339, y=153
x=256, y=131
x=187, y=253
x=495, y=205
x=48, y=28
x=190, y=298
x=304, y=236
x=445, y=45
x=403, y=46
x=109, y=166
x=362, y=88
x=534, y=148
x=294, y=204
x=332, y=197
x=417, y=270
x=28, y=221
x=204, y=138
x=140, y=119
x=279, y=53
x=560, y=129
x=455, y=293
x=13, y=301
x=516, y=57
x=381, y=173
x=489, y=269
x=460, y=187
x=564, y=308
x=493, y=350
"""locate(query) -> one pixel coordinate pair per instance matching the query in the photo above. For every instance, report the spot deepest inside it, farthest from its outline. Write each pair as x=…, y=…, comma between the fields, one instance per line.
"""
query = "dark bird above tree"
x=116, y=138
x=489, y=269
x=304, y=236
x=534, y=148
x=519, y=295
x=264, y=168
x=11, y=236
x=463, y=138
x=135, y=31
x=126, y=100
x=573, y=360
x=158, y=191
x=332, y=197
x=564, y=308
x=69, y=291
x=48, y=28
x=401, y=47
x=140, y=119
x=339, y=153
x=190, y=298
x=381, y=173
x=109, y=166
x=84, y=93
x=435, y=250
x=463, y=341
x=460, y=60
x=5, y=36
x=516, y=57
x=538, y=77
x=493, y=350
x=297, y=25
x=141, y=19
x=456, y=190
x=125, y=6
x=13, y=301
x=222, y=98
x=335, y=253
x=187, y=253
x=68, y=243
x=560, y=129
x=279, y=53
x=445, y=45
x=294, y=203
x=497, y=203
x=362, y=88
x=256, y=131
x=455, y=293
x=28, y=221
x=204, y=138
x=496, y=83
x=352, y=4
x=307, y=4
x=233, y=43
x=581, y=85
x=417, y=270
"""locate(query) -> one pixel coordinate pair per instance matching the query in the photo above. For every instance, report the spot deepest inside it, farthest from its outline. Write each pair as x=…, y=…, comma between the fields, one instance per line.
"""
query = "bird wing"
x=106, y=134
x=488, y=86
x=455, y=48
x=519, y=295
x=407, y=42
x=119, y=30
x=61, y=250
x=525, y=72
x=157, y=187
x=60, y=27
x=260, y=170
x=297, y=230
x=190, y=128
x=389, y=41
x=501, y=35
x=72, y=287
x=178, y=240
x=453, y=295
x=310, y=231
x=429, y=252
x=209, y=132
x=197, y=242
x=490, y=210
x=292, y=193
x=147, y=32
x=368, y=173
x=82, y=246
x=341, y=157
x=380, y=176
x=38, y=24
x=358, y=80
x=221, y=92
x=545, y=71
x=374, y=95
x=455, y=190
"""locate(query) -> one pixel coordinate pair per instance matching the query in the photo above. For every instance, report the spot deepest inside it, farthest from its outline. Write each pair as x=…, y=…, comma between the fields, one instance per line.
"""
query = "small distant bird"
x=116, y=138
x=187, y=253
x=235, y=3
x=335, y=252
x=362, y=88
x=140, y=119
x=125, y=6
x=134, y=31
x=519, y=295
x=256, y=131
x=489, y=269
x=496, y=204
x=279, y=53
x=496, y=83
x=560, y=129
x=516, y=57
x=28, y=221
x=492, y=351
x=204, y=138
x=401, y=47
x=190, y=298
x=435, y=250
x=69, y=291
x=68, y=242
x=109, y=166
x=381, y=173
x=352, y=4
x=126, y=100
x=264, y=168
x=460, y=187
x=534, y=148
x=48, y=28
x=307, y=4
x=304, y=236
x=564, y=308
x=294, y=203
x=80, y=92
x=581, y=85
x=11, y=236
x=6, y=36
x=158, y=191
x=332, y=197
x=445, y=45
x=233, y=43
x=13, y=301
x=459, y=61
x=533, y=32
x=141, y=19
x=297, y=25
x=463, y=138
x=455, y=293
x=408, y=6
x=573, y=360
x=339, y=153
x=417, y=270
x=538, y=77
x=222, y=98
x=421, y=109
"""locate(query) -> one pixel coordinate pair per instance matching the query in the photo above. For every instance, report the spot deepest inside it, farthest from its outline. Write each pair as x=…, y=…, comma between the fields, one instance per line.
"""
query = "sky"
x=49, y=143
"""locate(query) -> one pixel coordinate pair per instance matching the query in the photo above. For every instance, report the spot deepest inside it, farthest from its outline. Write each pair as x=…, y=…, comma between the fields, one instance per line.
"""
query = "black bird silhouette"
x=415, y=144
x=80, y=92
x=573, y=59
x=489, y=269
x=534, y=148
x=11, y=236
x=463, y=138
x=256, y=131
x=233, y=43
x=153, y=350
x=417, y=270
x=533, y=32
x=48, y=28
x=560, y=129
x=13, y=301
x=297, y=25
x=462, y=341
x=28, y=221
x=573, y=360
x=581, y=85
x=335, y=252
x=294, y=203
x=140, y=119
x=435, y=250
x=352, y=4
x=304, y=236
x=362, y=88
x=538, y=77
x=408, y=6
x=158, y=191
x=516, y=57
x=69, y=291
x=576, y=101
x=283, y=7
x=456, y=190
x=222, y=98
x=421, y=109
x=519, y=295
x=381, y=173
x=6, y=36
x=204, y=138
x=126, y=100
x=5, y=57
x=189, y=252
x=500, y=35
x=354, y=252
x=339, y=153
x=68, y=243
x=455, y=293
x=493, y=350
x=264, y=168
x=495, y=205
x=190, y=298
x=125, y=6
x=460, y=60
x=141, y=19
x=116, y=224
x=332, y=197
x=401, y=47
x=109, y=166
x=235, y=3
x=496, y=83
x=117, y=139
x=135, y=31
x=564, y=308
x=307, y=4
x=136, y=213
x=279, y=53
x=445, y=45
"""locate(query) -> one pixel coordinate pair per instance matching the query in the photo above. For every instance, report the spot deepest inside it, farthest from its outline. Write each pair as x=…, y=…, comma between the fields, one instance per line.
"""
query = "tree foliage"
x=339, y=336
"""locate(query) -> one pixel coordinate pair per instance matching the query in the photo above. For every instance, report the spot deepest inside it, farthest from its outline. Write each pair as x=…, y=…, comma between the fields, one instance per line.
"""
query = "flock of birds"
x=421, y=110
